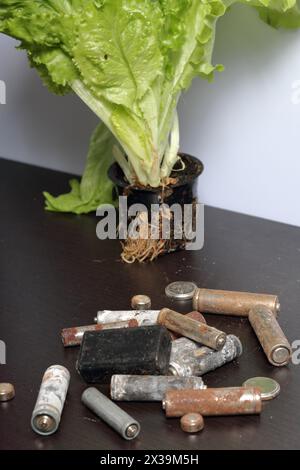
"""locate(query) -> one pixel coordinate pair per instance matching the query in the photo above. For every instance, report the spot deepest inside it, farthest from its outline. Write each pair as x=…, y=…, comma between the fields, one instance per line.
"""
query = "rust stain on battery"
x=232, y=302
x=192, y=329
x=213, y=402
x=271, y=337
x=73, y=336
x=194, y=316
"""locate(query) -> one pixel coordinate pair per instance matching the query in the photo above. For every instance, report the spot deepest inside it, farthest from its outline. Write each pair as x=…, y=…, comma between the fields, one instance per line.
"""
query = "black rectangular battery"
x=144, y=350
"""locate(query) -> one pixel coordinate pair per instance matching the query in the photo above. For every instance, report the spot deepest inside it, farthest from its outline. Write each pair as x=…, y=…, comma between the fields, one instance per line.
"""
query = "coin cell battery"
x=181, y=290
x=269, y=388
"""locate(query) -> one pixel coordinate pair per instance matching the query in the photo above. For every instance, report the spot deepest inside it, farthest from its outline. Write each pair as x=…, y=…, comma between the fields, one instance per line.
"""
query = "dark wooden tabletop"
x=55, y=273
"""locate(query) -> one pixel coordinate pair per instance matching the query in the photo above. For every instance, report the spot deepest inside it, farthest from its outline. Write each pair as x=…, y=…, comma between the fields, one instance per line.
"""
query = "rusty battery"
x=73, y=336
x=195, y=316
x=232, y=303
x=149, y=387
x=213, y=402
x=193, y=329
x=141, y=317
x=270, y=335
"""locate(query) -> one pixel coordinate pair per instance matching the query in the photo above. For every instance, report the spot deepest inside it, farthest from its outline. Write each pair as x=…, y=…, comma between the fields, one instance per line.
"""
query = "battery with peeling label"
x=144, y=350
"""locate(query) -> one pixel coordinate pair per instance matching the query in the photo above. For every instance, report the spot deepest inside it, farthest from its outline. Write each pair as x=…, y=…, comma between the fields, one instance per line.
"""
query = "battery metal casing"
x=183, y=363
x=47, y=412
x=192, y=329
x=231, y=302
x=271, y=337
x=143, y=317
x=134, y=351
x=141, y=302
x=192, y=422
x=195, y=316
x=187, y=359
x=7, y=392
x=73, y=336
x=213, y=402
x=110, y=413
x=149, y=388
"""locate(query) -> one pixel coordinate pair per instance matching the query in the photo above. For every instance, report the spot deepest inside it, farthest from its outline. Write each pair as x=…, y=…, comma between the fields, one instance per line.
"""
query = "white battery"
x=51, y=399
x=143, y=317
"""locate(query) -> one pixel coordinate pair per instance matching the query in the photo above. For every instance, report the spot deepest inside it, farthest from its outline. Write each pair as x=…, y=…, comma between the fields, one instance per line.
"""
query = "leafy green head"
x=129, y=61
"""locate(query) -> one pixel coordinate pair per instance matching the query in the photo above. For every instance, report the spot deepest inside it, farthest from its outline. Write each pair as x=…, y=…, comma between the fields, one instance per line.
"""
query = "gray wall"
x=244, y=126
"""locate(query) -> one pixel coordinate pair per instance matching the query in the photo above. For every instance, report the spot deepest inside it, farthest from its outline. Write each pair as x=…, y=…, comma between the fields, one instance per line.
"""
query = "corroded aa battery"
x=51, y=399
x=270, y=335
x=110, y=413
x=195, y=316
x=149, y=388
x=213, y=402
x=73, y=336
x=208, y=359
x=197, y=331
x=232, y=303
x=143, y=317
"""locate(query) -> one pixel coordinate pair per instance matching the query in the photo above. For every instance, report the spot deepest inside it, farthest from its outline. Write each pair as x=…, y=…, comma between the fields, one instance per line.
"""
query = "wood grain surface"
x=55, y=273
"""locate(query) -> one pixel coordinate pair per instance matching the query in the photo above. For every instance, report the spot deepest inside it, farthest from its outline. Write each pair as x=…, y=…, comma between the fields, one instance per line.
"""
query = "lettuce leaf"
x=95, y=188
x=129, y=61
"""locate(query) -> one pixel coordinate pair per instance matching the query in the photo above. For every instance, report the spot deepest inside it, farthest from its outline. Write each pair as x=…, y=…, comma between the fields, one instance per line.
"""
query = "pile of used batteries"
x=149, y=355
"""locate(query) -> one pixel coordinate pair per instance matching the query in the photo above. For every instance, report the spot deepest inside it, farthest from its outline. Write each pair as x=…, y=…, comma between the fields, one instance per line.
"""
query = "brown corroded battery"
x=232, y=303
x=192, y=422
x=213, y=402
x=270, y=335
x=73, y=336
x=195, y=316
x=193, y=329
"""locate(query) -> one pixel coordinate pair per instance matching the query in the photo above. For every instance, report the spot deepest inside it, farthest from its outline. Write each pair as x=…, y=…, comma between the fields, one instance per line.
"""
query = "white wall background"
x=244, y=126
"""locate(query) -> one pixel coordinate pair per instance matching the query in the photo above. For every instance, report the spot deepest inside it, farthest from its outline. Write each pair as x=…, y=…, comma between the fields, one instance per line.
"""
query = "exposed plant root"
x=168, y=181
x=142, y=250
x=183, y=166
x=139, y=246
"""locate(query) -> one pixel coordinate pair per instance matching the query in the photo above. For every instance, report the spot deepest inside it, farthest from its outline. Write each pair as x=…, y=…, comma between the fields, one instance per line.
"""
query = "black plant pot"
x=182, y=192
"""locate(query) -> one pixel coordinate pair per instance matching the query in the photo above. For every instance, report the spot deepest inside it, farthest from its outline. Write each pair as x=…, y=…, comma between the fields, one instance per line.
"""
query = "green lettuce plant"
x=129, y=61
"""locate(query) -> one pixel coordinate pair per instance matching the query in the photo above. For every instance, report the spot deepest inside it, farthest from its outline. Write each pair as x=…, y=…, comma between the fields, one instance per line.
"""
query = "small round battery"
x=192, y=422
x=181, y=290
x=7, y=392
x=141, y=302
x=269, y=387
